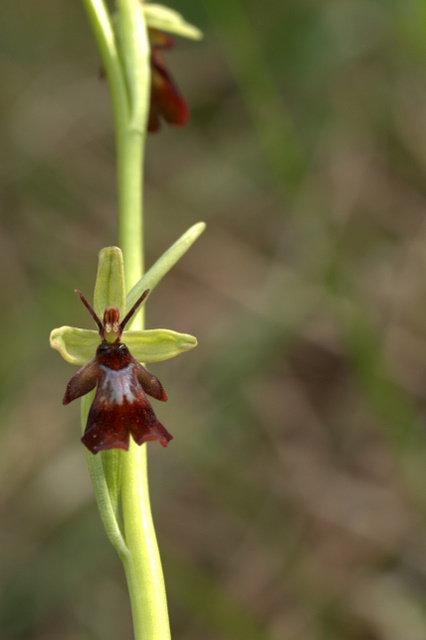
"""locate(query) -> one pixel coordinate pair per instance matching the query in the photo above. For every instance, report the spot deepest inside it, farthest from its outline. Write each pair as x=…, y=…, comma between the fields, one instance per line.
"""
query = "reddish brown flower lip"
x=120, y=408
x=167, y=102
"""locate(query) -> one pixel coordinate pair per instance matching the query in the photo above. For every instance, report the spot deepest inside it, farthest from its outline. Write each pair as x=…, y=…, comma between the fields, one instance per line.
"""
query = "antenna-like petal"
x=92, y=313
x=133, y=309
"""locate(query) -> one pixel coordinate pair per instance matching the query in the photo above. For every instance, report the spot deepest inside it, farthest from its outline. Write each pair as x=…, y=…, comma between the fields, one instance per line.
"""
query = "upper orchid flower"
x=166, y=102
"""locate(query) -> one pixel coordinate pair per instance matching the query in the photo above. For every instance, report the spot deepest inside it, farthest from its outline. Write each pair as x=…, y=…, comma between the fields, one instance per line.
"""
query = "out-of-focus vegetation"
x=291, y=503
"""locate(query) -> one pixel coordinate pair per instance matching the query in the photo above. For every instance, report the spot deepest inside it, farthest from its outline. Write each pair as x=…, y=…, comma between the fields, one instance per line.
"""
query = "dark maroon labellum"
x=120, y=407
x=166, y=102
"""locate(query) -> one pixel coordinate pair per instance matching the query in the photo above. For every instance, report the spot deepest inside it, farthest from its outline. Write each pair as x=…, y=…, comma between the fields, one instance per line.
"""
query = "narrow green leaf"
x=159, y=269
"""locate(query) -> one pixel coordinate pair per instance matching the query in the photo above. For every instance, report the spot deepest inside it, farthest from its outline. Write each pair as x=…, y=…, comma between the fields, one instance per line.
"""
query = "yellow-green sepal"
x=78, y=346
x=75, y=345
x=110, y=286
x=155, y=345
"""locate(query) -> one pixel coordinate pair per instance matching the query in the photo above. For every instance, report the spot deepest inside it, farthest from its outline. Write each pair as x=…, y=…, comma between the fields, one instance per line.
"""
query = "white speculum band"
x=116, y=385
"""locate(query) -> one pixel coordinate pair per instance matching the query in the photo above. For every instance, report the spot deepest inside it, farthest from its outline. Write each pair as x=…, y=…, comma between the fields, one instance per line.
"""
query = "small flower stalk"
x=113, y=384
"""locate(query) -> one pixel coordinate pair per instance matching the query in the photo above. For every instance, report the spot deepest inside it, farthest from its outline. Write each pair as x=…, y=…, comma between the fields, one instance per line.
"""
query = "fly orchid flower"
x=111, y=359
x=166, y=102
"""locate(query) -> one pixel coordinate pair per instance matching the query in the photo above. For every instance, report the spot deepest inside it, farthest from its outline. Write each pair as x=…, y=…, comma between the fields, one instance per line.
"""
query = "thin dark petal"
x=83, y=382
x=150, y=383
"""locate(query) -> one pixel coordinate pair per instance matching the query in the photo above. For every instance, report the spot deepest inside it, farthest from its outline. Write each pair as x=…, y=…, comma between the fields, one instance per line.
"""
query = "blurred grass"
x=291, y=502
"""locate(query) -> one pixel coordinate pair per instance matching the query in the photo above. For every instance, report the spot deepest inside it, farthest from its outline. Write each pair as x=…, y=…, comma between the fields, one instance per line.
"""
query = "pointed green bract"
x=110, y=287
x=160, y=17
x=169, y=258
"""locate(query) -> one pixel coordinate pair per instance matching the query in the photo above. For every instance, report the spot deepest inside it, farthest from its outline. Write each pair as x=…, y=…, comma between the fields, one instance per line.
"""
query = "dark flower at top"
x=166, y=101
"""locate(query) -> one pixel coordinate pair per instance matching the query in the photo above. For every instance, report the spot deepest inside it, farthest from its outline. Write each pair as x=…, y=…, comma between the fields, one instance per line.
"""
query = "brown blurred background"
x=291, y=503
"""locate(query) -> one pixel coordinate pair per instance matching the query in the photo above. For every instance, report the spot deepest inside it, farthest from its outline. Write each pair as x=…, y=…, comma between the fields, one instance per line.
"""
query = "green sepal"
x=160, y=17
x=78, y=346
x=110, y=286
x=155, y=345
x=169, y=258
x=75, y=345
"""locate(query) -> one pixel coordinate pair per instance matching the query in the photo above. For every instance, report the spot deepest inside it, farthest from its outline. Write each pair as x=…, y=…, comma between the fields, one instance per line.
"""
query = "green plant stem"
x=128, y=75
x=111, y=63
x=142, y=565
x=131, y=139
x=130, y=221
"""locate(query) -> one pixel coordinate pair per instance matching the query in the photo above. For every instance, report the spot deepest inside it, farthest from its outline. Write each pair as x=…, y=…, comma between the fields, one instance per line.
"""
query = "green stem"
x=128, y=72
x=111, y=63
x=142, y=565
x=130, y=220
x=131, y=138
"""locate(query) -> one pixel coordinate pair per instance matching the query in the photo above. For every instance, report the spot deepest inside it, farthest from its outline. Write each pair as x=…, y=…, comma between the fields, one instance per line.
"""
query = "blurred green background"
x=291, y=504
